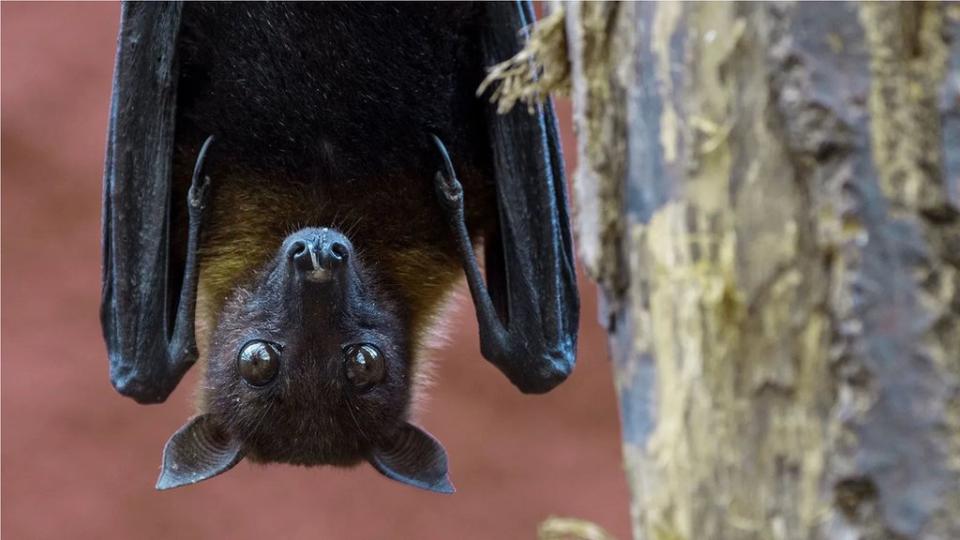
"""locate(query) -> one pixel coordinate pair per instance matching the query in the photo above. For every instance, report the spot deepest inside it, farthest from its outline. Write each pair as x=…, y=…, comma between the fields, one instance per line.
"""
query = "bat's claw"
x=450, y=190
x=448, y=187
x=199, y=187
x=197, y=196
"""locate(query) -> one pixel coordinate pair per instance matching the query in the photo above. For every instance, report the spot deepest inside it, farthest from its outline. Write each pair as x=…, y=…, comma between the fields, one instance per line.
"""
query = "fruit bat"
x=291, y=191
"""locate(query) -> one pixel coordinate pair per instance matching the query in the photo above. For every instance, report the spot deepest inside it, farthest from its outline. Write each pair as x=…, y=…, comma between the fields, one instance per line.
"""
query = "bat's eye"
x=259, y=362
x=363, y=365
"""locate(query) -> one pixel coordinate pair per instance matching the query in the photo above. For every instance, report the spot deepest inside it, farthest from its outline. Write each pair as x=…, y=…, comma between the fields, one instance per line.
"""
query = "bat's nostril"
x=338, y=251
x=300, y=256
x=297, y=249
x=333, y=255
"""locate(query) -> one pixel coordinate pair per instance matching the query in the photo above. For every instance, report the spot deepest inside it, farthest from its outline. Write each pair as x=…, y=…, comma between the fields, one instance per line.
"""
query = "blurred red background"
x=80, y=461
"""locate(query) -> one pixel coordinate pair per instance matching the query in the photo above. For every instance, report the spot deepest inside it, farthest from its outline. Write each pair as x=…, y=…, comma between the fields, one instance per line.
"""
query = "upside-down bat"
x=295, y=188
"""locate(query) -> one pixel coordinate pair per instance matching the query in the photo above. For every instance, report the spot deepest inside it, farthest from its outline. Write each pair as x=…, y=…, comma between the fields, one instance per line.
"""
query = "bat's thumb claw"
x=450, y=190
x=197, y=195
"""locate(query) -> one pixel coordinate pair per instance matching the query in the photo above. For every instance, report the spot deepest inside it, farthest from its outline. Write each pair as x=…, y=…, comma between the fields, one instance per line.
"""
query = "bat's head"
x=309, y=366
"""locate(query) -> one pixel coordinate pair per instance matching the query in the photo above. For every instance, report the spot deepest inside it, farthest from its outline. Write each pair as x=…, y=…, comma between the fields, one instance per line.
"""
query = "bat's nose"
x=318, y=253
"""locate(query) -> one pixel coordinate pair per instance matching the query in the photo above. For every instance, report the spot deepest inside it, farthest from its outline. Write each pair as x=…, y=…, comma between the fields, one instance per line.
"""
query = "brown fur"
x=395, y=224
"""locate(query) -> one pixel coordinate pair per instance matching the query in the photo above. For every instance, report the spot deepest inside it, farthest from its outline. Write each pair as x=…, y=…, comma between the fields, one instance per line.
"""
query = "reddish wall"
x=79, y=461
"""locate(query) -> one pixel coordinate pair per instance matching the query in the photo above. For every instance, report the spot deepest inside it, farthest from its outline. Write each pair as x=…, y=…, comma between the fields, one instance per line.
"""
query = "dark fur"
x=345, y=89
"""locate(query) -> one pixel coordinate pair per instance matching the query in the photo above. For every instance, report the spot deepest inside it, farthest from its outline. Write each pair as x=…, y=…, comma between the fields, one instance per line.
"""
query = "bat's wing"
x=146, y=310
x=528, y=309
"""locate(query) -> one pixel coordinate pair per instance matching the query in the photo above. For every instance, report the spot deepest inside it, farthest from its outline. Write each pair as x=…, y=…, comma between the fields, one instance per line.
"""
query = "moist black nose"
x=316, y=255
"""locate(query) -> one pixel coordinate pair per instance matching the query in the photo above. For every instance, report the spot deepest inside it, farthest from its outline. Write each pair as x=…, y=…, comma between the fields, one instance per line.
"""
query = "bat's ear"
x=415, y=458
x=199, y=450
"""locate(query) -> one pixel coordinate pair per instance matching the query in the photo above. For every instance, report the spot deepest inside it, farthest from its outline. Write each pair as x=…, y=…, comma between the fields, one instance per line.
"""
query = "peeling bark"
x=769, y=199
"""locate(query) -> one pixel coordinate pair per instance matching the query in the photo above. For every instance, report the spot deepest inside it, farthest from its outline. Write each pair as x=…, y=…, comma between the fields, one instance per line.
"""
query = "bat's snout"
x=317, y=254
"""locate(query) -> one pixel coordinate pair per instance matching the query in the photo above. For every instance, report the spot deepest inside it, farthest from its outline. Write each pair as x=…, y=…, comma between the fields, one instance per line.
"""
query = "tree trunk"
x=769, y=198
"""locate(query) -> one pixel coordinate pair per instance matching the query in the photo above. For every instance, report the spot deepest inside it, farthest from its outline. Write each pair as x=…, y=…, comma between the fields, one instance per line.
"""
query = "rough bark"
x=769, y=198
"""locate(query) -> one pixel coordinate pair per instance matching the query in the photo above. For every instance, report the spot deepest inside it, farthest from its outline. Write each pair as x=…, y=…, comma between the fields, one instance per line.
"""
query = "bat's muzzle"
x=318, y=254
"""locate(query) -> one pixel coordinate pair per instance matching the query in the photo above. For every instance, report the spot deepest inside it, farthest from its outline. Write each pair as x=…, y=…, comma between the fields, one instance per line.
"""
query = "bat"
x=291, y=191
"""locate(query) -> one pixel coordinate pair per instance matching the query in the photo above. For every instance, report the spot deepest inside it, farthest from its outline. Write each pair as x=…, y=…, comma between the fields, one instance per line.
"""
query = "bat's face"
x=309, y=366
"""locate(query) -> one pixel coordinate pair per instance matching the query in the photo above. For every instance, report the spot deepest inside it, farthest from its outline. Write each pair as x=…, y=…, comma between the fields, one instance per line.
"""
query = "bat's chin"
x=320, y=444
x=307, y=457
